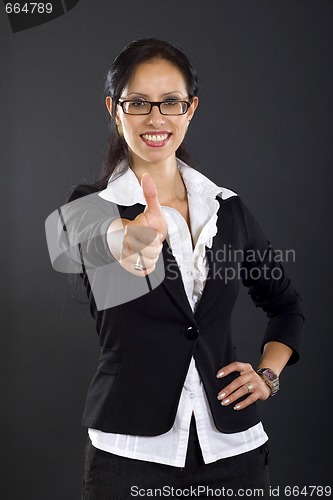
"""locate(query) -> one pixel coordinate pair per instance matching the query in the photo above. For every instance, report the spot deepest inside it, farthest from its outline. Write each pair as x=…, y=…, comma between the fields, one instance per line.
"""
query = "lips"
x=155, y=139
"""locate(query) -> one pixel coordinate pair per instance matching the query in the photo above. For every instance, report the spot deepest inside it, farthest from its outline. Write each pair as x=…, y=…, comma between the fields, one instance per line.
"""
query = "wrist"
x=115, y=237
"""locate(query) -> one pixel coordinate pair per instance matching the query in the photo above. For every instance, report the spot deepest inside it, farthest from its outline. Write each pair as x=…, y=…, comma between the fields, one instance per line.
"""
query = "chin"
x=154, y=156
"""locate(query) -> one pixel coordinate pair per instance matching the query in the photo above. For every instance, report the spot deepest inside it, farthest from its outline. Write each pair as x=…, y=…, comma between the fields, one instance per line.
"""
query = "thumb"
x=150, y=193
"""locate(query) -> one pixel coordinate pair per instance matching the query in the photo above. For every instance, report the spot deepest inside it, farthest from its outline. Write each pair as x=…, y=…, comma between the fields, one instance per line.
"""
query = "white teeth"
x=155, y=138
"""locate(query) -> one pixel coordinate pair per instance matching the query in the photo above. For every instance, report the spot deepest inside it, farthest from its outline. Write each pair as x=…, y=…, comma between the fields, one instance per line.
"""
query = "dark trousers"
x=111, y=477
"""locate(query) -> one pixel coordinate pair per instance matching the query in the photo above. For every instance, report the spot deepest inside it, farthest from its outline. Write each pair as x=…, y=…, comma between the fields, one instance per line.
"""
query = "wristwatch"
x=270, y=378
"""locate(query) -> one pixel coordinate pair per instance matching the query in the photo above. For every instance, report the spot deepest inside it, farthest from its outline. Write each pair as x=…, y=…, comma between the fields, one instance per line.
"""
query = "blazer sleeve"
x=270, y=288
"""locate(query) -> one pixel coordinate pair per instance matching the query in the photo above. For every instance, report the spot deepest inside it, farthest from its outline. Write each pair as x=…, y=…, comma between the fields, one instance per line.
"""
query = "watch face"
x=270, y=375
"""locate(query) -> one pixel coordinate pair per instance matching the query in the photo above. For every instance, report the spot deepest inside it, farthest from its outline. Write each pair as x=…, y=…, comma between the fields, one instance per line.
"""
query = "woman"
x=171, y=405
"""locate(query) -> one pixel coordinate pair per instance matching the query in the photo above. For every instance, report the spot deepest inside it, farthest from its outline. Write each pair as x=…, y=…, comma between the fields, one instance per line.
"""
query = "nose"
x=155, y=117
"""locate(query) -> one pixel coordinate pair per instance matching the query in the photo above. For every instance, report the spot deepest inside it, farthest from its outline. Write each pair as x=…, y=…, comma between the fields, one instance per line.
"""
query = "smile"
x=155, y=140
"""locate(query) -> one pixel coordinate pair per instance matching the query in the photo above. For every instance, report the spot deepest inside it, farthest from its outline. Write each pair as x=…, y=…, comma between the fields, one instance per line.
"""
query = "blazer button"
x=191, y=333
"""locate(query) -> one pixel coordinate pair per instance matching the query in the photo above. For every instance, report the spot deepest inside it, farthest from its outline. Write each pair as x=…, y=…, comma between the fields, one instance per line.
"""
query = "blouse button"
x=189, y=273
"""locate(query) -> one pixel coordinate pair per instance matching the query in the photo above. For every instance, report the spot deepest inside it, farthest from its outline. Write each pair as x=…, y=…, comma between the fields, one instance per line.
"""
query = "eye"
x=171, y=102
x=137, y=104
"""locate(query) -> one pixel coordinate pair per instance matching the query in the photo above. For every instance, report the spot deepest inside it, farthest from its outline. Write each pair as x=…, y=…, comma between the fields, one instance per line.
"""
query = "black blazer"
x=147, y=343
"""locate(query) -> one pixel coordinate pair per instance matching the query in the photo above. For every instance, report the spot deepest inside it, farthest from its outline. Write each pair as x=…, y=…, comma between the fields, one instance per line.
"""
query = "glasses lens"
x=136, y=107
x=174, y=107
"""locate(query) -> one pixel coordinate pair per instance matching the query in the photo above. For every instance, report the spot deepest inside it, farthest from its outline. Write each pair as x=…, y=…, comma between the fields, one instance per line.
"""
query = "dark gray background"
x=263, y=129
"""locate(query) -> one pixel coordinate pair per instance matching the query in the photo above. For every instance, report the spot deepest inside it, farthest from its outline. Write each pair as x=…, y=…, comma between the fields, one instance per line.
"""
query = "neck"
x=168, y=181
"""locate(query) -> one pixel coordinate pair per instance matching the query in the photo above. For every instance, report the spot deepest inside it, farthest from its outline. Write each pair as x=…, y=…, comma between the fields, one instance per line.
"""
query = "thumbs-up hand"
x=153, y=212
x=144, y=236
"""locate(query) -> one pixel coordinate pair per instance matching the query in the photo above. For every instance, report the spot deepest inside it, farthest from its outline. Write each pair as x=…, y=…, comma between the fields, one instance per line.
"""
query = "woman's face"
x=154, y=138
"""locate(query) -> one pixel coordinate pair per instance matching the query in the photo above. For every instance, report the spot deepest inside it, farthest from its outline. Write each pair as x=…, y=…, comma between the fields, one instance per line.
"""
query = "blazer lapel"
x=131, y=211
x=211, y=289
x=173, y=283
x=216, y=283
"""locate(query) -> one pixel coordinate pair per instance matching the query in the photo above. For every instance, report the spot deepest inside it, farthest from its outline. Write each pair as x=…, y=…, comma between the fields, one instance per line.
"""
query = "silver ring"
x=138, y=266
x=249, y=387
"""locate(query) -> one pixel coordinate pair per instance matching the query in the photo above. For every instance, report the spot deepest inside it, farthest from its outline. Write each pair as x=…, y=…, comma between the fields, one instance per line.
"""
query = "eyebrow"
x=145, y=95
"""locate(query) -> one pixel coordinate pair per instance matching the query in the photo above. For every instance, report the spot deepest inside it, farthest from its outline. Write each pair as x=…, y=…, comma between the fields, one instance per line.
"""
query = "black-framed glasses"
x=140, y=107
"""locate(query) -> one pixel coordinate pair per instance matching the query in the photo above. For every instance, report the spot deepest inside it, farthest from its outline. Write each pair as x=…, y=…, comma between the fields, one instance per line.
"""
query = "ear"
x=193, y=107
x=108, y=103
